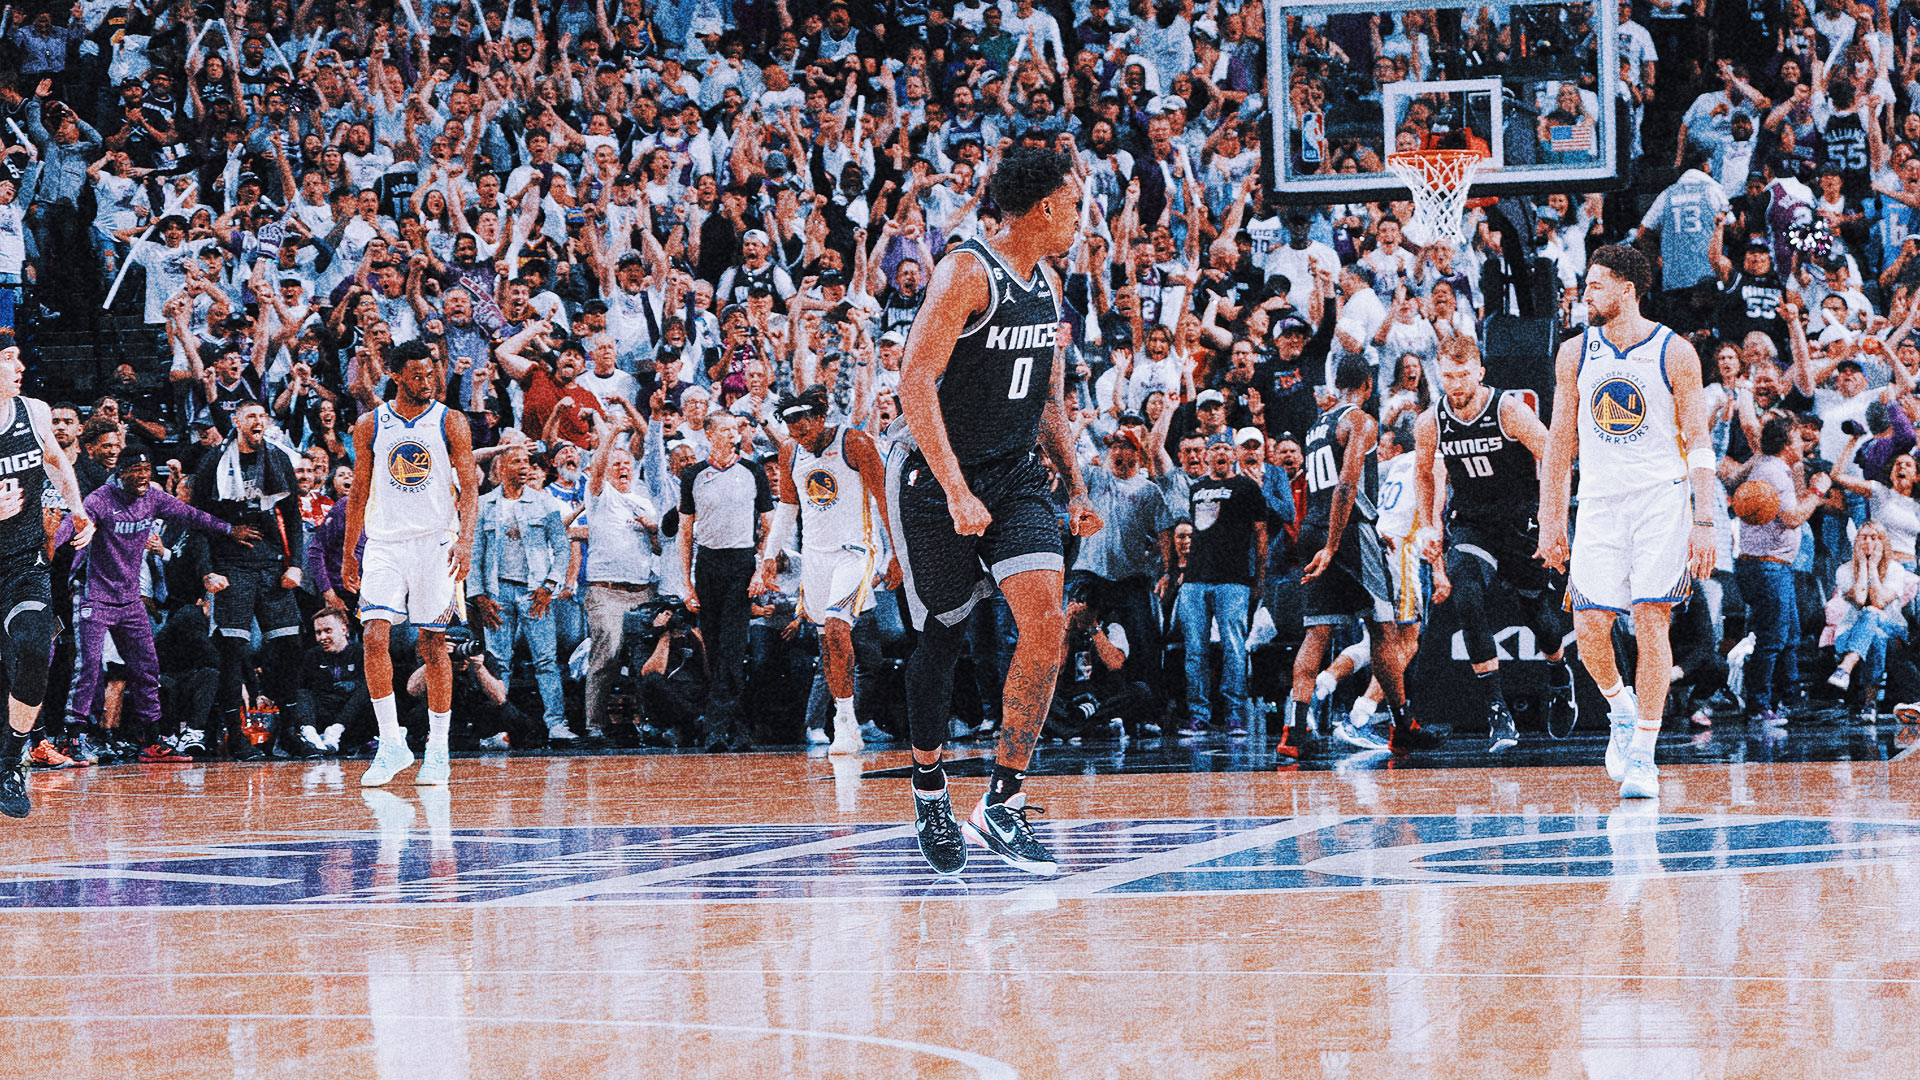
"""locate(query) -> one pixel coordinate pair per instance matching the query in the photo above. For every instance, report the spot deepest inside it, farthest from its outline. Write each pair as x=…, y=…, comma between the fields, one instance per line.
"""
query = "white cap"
x=1249, y=435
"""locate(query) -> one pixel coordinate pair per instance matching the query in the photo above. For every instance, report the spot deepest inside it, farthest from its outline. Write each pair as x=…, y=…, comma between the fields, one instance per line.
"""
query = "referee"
x=726, y=506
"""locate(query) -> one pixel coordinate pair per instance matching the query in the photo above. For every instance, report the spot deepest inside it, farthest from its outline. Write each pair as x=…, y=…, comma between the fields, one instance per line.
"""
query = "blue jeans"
x=517, y=624
x=1200, y=605
x=1773, y=616
x=1868, y=636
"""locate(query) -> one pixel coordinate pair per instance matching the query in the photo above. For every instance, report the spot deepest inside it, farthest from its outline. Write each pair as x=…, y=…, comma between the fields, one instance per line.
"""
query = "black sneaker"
x=1562, y=711
x=1500, y=729
x=1415, y=736
x=940, y=840
x=1004, y=830
x=13, y=788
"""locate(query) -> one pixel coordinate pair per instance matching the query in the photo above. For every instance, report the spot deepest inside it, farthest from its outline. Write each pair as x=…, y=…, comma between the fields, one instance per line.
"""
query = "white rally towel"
x=230, y=483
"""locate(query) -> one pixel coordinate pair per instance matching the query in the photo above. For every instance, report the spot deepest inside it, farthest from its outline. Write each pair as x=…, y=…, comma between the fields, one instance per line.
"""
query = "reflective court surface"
x=768, y=915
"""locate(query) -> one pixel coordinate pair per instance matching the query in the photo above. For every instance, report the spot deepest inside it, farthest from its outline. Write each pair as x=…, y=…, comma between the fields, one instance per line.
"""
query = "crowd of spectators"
x=625, y=227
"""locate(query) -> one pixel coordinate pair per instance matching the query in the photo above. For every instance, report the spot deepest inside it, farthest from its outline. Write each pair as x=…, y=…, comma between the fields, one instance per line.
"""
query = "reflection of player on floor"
x=1627, y=403
x=1347, y=576
x=28, y=456
x=827, y=479
x=980, y=385
x=414, y=488
x=1486, y=443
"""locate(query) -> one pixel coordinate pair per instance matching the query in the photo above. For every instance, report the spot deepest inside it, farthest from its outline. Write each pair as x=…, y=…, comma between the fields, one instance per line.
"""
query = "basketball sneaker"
x=1907, y=712
x=1415, y=736
x=434, y=770
x=45, y=755
x=1359, y=736
x=1618, y=740
x=1501, y=730
x=161, y=754
x=846, y=740
x=1003, y=829
x=940, y=841
x=1641, y=779
x=816, y=736
x=392, y=759
x=14, y=801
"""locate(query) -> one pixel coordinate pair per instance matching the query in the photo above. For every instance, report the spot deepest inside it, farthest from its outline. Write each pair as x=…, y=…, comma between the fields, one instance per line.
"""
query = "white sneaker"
x=189, y=740
x=1841, y=679
x=1642, y=779
x=1618, y=742
x=816, y=736
x=561, y=733
x=391, y=760
x=331, y=736
x=495, y=742
x=1358, y=736
x=434, y=770
x=312, y=738
x=847, y=740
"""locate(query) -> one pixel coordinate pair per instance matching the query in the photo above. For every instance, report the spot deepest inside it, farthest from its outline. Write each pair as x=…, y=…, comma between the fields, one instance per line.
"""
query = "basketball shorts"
x=25, y=584
x=255, y=592
x=1631, y=549
x=836, y=584
x=1507, y=552
x=410, y=581
x=944, y=573
x=1403, y=569
x=1356, y=586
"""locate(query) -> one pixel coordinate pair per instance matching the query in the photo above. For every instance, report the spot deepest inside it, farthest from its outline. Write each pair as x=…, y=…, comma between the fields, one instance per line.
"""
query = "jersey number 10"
x=1477, y=465
x=1321, y=473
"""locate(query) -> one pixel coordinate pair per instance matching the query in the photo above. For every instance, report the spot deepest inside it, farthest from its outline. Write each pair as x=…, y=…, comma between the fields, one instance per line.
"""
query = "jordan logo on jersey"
x=1619, y=408
x=822, y=489
x=410, y=464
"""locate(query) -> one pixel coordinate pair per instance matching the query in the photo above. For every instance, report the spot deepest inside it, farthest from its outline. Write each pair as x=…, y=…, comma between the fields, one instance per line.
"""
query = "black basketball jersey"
x=1490, y=474
x=1001, y=373
x=22, y=470
x=1843, y=145
x=1324, y=456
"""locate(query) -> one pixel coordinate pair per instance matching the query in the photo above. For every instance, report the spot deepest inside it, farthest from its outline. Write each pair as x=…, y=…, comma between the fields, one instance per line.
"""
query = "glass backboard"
x=1533, y=86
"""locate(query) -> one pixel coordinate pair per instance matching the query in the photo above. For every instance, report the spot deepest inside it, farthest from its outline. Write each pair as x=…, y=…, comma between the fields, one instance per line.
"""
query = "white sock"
x=843, y=714
x=388, y=717
x=1363, y=709
x=438, y=724
x=1644, y=738
x=1619, y=700
x=1324, y=683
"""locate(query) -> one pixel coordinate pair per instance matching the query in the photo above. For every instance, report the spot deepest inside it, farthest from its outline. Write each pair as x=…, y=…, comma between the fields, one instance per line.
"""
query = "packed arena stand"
x=629, y=232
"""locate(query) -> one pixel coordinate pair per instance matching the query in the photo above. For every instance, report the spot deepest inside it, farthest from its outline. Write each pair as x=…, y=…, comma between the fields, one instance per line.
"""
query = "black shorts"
x=944, y=573
x=1355, y=586
x=1508, y=553
x=255, y=593
x=25, y=584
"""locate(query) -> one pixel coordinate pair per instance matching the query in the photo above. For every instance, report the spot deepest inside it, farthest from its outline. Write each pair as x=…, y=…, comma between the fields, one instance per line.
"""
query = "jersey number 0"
x=1022, y=378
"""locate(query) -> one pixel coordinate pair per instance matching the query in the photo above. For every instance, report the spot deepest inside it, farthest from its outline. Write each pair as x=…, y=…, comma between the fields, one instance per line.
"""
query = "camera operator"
x=1094, y=698
x=251, y=482
x=673, y=681
x=479, y=695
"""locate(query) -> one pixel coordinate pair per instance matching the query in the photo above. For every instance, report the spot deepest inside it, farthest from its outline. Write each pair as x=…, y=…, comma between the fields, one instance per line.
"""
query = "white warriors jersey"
x=413, y=478
x=1398, y=498
x=1629, y=423
x=834, y=510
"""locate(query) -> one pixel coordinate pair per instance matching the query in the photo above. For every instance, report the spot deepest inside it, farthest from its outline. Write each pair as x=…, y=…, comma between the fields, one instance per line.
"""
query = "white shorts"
x=1403, y=566
x=1632, y=549
x=836, y=584
x=410, y=581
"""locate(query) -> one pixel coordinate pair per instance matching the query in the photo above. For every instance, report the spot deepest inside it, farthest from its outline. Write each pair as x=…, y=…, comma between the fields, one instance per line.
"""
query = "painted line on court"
x=984, y=1067
x=1081, y=886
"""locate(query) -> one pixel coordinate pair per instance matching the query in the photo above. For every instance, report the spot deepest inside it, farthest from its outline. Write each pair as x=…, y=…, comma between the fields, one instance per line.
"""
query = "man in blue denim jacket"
x=520, y=557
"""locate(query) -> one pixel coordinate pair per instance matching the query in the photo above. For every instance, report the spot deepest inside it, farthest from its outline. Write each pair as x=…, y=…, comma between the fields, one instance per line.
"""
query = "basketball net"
x=1439, y=180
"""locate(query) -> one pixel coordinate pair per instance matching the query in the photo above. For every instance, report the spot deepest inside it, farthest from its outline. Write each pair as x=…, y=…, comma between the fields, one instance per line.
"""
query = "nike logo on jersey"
x=1034, y=336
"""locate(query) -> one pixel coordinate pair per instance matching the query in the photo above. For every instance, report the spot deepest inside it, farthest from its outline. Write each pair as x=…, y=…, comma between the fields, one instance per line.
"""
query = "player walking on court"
x=827, y=478
x=1627, y=403
x=1477, y=450
x=415, y=492
x=980, y=387
x=28, y=456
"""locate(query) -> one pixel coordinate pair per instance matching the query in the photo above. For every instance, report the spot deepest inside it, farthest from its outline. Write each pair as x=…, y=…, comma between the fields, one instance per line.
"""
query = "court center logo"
x=410, y=464
x=1619, y=408
x=823, y=489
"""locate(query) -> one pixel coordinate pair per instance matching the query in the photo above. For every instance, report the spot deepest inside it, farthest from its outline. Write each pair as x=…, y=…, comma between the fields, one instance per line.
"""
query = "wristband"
x=1702, y=459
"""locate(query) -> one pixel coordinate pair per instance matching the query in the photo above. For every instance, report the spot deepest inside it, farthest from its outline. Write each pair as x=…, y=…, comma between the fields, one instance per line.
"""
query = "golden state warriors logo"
x=410, y=464
x=822, y=489
x=1619, y=407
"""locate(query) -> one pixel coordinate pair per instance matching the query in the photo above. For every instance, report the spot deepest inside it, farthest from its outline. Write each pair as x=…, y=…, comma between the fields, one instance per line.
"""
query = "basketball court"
x=768, y=915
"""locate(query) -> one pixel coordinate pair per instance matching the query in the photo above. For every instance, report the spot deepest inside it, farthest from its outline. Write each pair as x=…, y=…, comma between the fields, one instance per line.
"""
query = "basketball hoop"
x=1439, y=180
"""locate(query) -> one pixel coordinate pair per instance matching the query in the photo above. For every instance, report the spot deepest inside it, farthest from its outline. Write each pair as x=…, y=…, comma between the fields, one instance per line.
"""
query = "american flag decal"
x=1570, y=138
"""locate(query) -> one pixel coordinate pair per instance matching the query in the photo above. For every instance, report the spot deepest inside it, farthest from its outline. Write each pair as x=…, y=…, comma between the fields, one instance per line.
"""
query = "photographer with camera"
x=1095, y=699
x=479, y=695
x=673, y=683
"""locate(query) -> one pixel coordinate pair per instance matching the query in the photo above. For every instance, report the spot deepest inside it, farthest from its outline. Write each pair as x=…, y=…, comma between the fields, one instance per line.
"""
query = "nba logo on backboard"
x=410, y=463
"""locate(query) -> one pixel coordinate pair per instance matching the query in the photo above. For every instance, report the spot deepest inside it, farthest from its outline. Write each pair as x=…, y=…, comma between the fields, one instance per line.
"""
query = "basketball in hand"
x=1756, y=502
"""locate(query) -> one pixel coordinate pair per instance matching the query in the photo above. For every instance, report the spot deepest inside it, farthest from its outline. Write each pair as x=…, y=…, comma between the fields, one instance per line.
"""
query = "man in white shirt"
x=1024, y=19
x=621, y=567
x=1299, y=258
